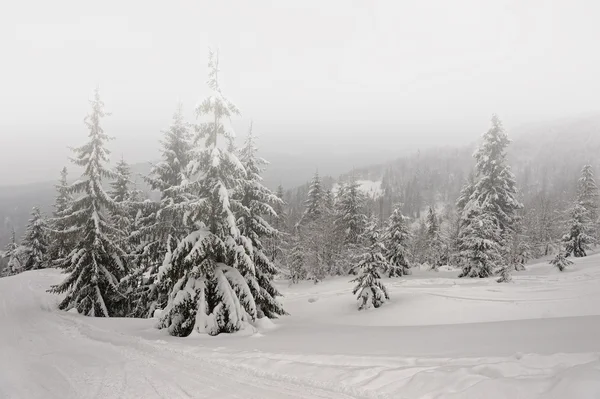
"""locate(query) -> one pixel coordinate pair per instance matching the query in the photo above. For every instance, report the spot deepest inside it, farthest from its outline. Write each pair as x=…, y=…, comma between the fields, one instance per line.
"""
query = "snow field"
x=438, y=337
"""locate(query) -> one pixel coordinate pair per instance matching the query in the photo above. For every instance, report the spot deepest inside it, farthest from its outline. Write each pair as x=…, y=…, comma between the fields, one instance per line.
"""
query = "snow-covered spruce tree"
x=350, y=219
x=95, y=263
x=480, y=246
x=494, y=199
x=496, y=189
x=419, y=243
x=9, y=254
x=59, y=245
x=35, y=242
x=396, y=240
x=465, y=193
x=209, y=272
x=315, y=201
x=297, y=268
x=256, y=200
x=561, y=262
x=577, y=241
x=124, y=215
x=159, y=226
x=434, y=244
x=370, y=266
x=275, y=244
x=588, y=196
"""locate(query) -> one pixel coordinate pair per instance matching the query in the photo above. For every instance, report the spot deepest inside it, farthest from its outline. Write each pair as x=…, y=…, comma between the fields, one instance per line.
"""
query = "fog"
x=320, y=79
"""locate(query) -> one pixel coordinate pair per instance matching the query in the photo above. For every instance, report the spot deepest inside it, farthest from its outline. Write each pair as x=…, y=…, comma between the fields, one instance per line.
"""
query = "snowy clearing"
x=438, y=337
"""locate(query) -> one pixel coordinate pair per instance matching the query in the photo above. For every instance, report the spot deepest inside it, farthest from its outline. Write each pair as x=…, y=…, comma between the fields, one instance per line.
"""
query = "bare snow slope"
x=440, y=337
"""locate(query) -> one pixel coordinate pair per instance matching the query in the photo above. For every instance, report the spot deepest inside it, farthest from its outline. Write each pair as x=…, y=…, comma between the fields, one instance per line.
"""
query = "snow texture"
x=439, y=337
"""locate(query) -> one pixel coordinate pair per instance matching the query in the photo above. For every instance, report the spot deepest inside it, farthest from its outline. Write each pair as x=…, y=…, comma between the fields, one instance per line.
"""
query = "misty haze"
x=300, y=199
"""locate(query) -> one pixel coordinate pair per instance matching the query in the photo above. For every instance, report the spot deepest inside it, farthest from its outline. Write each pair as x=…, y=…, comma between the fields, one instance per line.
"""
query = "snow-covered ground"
x=439, y=337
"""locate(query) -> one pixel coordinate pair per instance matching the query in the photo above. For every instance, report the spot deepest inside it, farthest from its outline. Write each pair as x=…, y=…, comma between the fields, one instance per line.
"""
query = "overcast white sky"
x=315, y=75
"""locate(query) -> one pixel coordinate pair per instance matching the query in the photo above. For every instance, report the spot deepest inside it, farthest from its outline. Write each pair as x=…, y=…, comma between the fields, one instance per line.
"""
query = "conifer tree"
x=95, y=263
x=159, y=226
x=35, y=242
x=10, y=253
x=480, y=246
x=315, y=201
x=466, y=193
x=59, y=245
x=297, y=269
x=493, y=202
x=561, y=262
x=577, y=241
x=434, y=242
x=496, y=189
x=371, y=264
x=276, y=243
x=121, y=194
x=210, y=271
x=396, y=239
x=350, y=219
x=256, y=200
x=589, y=198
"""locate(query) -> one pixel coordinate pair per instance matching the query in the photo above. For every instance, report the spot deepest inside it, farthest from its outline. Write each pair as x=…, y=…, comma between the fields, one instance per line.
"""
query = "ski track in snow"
x=418, y=346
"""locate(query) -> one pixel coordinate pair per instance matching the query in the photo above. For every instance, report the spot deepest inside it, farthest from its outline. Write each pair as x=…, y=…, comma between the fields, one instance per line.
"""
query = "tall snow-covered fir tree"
x=350, y=219
x=588, y=196
x=59, y=246
x=480, y=243
x=123, y=217
x=210, y=271
x=95, y=263
x=496, y=189
x=10, y=253
x=256, y=201
x=160, y=226
x=396, y=241
x=315, y=201
x=296, y=262
x=493, y=201
x=276, y=243
x=577, y=241
x=35, y=242
x=435, y=244
x=371, y=264
x=465, y=193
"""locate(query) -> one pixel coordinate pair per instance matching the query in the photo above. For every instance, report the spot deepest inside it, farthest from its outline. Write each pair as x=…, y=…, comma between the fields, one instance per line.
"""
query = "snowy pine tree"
x=59, y=245
x=10, y=255
x=35, y=242
x=589, y=198
x=124, y=215
x=434, y=245
x=496, y=189
x=577, y=241
x=315, y=201
x=371, y=264
x=350, y=219
x=95, y=263
x=210, y=270
x=297, y=268
x=160, y=226
x=493, y=203
x=480, y=246
x=276, y=243
x=561, y=262
x=466, y=193
x=256, y=200
x=396, y=241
